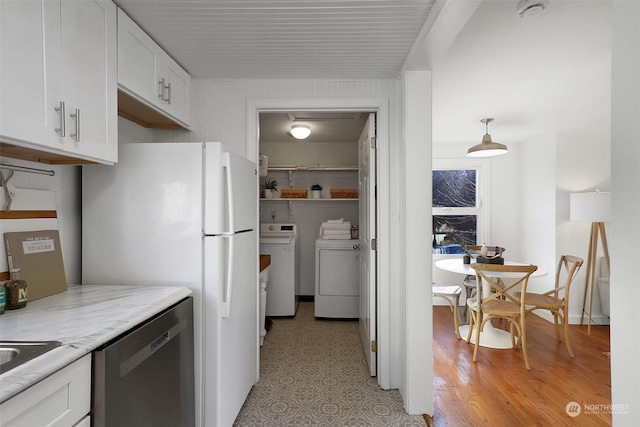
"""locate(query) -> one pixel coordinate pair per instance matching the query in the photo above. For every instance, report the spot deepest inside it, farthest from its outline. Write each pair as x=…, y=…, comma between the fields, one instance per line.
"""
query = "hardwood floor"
x=498, y=390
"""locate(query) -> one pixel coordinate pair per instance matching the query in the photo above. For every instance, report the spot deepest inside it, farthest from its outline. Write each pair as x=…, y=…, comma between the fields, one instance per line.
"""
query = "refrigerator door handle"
x=226, y=164
x=225, y=305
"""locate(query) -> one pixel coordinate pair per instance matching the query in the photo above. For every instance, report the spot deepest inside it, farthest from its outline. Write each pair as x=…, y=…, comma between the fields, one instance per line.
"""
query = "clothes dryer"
x=281, y=242
x=337, y=293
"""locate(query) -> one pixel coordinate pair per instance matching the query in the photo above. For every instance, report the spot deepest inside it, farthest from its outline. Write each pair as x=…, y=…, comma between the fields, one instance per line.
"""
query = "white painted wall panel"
x=624, y=232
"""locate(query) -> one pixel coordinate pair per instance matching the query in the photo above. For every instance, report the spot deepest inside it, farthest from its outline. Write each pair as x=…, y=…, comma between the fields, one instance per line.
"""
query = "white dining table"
x=490, y=336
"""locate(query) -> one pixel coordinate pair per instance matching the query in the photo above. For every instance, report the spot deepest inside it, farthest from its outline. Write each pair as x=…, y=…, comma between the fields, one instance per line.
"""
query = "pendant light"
x=487, y=148
x=300, y=131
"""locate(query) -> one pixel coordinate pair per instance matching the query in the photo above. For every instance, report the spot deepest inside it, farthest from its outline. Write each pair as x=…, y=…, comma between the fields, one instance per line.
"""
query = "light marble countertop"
x=82, y=319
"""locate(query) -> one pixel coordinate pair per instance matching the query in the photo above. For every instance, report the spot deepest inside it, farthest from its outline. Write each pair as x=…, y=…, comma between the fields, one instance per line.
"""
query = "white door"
x=368, y=300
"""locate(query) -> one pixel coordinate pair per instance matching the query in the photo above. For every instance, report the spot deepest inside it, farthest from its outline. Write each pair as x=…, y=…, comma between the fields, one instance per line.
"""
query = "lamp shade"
x=487, y=148
x=592, y=207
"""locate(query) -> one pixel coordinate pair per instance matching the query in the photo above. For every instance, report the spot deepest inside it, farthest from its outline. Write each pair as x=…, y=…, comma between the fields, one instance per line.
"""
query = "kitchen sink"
x=15, y=353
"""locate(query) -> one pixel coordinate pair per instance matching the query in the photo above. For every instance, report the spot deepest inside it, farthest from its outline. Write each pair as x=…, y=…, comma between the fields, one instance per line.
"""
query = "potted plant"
x=315, y=191
x=270, y=188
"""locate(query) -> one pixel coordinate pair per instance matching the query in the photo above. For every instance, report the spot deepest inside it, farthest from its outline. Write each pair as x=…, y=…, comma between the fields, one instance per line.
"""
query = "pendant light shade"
x=300, y=131
x=487, y=148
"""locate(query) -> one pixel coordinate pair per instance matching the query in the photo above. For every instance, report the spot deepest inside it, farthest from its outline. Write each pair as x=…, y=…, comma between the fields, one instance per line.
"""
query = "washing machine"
x=281, y=241
x=337, y=292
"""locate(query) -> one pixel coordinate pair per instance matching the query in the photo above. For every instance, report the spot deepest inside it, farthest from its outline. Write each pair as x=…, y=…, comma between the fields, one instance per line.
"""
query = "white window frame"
x=483, y=179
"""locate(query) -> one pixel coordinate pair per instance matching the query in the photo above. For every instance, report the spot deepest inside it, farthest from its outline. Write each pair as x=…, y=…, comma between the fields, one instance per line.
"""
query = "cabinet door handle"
x=168, y=99
x=76, y=116
x=62, y=129
x=161, y=94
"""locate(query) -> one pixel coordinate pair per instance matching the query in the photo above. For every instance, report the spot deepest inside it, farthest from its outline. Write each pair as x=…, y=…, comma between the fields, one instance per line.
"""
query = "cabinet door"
x=30, y=66
x=89, y=53
x=61, y=399
x=177, y=90
x=139, y=62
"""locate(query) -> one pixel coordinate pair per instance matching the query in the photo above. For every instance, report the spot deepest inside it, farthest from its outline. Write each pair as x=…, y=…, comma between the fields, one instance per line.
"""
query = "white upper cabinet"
x=150, y=76
x=59, y=79
x=139, y=61
x=177, y=95
x=89, y=68
x=30, y=72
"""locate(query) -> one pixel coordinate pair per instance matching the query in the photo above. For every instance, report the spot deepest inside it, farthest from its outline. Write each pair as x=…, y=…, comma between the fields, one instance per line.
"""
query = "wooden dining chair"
x=451, y=293
x=469, y=282
x=557, y=299
x=501, y=281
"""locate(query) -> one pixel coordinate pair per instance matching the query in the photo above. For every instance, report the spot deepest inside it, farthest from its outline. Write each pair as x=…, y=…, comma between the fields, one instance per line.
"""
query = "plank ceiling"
x=284, y=39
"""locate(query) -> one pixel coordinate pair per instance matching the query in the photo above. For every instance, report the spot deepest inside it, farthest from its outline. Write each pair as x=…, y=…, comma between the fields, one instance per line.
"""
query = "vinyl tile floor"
x=314, y=373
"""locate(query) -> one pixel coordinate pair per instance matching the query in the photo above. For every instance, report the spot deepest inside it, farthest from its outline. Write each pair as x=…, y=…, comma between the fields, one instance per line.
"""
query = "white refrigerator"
x=184, y=214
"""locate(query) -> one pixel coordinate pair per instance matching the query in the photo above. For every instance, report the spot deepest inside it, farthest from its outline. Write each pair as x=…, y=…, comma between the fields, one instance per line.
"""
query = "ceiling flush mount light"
x=300, y=131
x=528, y=9
x=487, y=148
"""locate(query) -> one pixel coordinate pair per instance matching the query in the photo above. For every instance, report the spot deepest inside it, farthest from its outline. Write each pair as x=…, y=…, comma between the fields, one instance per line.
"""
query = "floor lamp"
x=593, y=207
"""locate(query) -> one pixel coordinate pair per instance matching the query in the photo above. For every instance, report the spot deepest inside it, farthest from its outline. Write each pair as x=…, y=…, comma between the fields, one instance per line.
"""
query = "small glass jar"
x=16, y=291
x=3, y=299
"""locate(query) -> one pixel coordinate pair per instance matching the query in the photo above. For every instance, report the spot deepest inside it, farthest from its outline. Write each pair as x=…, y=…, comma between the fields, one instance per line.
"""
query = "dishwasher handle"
x=148, y=350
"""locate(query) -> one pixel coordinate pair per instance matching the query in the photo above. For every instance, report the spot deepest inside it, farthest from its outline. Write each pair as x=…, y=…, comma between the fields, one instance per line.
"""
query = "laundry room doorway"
x=333, y=160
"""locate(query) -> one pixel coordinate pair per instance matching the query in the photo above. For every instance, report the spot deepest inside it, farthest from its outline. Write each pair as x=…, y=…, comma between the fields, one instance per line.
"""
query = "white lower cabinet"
x=61, y=399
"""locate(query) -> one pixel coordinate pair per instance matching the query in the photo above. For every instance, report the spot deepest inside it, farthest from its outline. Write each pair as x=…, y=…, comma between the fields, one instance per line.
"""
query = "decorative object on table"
x=485, y=254
x=567, y=270
x=293, y=193
x=315, y=191
x=594, y=207
x=487, y=148
x=38, y=255
x=500, y=303
x=270, y=188
x=344, y=193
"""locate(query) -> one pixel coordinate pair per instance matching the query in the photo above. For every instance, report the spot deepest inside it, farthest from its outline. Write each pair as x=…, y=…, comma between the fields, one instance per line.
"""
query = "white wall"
x=66, y=186
x=529, y=196
x=504, y=225
x=583, y=164
x=220, y=114
x=308, y=215
x=537, y=230
x=417, y=324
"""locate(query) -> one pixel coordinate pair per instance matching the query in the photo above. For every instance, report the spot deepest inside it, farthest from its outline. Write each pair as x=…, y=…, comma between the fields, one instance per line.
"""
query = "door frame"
x=380, y=106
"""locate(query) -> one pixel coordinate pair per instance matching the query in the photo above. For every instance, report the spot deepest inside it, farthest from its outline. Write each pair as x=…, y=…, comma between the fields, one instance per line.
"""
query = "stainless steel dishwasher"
x=145, y=377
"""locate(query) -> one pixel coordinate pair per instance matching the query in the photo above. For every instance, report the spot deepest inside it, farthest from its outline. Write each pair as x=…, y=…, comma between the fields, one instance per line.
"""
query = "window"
x=457, y=212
